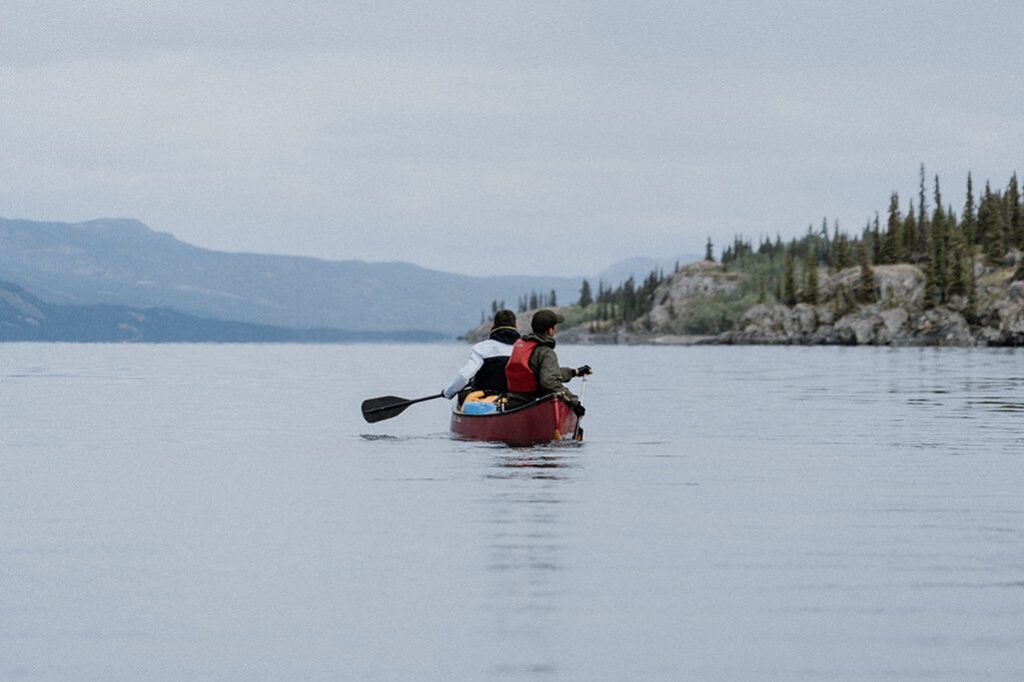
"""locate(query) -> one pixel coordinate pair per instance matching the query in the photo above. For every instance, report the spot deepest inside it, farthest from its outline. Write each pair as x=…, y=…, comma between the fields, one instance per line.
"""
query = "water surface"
x=222, y=512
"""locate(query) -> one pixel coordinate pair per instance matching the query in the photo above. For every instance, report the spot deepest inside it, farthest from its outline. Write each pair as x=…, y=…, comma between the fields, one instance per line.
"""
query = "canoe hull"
x=542, y=421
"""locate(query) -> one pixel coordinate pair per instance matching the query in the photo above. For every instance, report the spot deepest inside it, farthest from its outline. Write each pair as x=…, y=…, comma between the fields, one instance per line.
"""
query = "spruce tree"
x=985, y=219
x=709, y=251
x=844, y=253
x=893, y=251
x=867, y=289
x=629, y=307
x=1015, y=219
x=811, y=289
x=993, y=227
x=876, y=241
x=586, y=298
x=938, y=252
x=789, y=280
x=970, y=216
x=921, y=244
x=910, y=234
x=958, y=264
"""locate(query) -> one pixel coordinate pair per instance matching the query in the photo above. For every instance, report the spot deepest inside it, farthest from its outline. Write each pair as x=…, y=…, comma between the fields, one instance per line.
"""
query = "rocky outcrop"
x=675, y=299
x=898, y=318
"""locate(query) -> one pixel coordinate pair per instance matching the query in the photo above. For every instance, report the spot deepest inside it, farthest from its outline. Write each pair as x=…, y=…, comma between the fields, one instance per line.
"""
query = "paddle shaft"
x=404, y=403
x=576, y=434
x=386, y=407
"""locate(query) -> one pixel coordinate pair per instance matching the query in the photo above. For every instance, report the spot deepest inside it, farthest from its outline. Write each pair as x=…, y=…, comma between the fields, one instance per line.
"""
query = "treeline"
x=537, y=299
x=928, y=233
x=623, y=303
x=943, y=242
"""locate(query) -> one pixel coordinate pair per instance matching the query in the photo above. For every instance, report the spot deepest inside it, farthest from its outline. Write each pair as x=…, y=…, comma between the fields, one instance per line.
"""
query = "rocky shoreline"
x=995, y=316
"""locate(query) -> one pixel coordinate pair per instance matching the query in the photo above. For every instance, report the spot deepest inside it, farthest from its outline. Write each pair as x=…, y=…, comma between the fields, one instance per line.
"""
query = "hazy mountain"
x=124, y=263
x=24, y=317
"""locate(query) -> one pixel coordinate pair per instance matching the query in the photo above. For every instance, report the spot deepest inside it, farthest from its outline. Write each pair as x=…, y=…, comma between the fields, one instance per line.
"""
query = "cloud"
x=443, y=133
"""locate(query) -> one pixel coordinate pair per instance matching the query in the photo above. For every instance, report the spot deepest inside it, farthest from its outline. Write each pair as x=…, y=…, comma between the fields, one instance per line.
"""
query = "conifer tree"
x=1015, y=219
x=844, y=252
x=985, y=219
x=789, y=280
x=867, y=289
x=833, y=249
x=937, y=247
x=970, y=218
x=957, y=264
x=586, y=298
x=893, y=251
x=709, y=251
x=629, y=307
x=811, y=292
x=876, y=241
x=910, y=234
x=994, y=228
x=921, y=245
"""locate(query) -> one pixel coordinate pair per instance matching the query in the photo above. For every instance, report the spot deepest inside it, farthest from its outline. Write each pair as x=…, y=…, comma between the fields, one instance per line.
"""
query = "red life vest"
x=521, y=378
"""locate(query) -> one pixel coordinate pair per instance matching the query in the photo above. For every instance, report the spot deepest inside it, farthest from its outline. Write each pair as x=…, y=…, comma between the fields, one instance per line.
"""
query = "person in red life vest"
x=533, y=368
x=485, y=370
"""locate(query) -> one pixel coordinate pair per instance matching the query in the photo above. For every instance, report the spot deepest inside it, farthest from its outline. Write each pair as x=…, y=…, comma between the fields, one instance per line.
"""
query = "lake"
x=222, y=512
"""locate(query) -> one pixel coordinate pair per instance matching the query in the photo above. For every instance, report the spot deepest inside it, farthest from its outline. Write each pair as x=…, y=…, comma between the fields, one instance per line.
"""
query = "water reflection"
x=525, y=539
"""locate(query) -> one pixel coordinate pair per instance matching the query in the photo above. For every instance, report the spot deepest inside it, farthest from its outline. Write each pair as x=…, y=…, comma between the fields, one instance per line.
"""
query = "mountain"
x=122, y=262
x=24, y=317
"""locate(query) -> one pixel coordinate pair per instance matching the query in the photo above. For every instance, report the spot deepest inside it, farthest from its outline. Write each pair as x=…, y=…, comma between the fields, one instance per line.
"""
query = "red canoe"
x=542, y=421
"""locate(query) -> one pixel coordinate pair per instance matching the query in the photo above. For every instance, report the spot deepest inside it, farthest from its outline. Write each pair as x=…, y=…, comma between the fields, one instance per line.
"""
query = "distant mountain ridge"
x=122, y=262
x=24, y=317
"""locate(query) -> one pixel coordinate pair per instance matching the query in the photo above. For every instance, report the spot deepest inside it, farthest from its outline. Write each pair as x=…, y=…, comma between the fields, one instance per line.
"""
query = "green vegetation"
x=937, y=240
x=932, y=237
x=718, y=313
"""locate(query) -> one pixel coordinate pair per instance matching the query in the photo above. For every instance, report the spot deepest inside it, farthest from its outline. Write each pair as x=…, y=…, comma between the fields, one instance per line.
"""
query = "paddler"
x=533, y=370
x=485, y=370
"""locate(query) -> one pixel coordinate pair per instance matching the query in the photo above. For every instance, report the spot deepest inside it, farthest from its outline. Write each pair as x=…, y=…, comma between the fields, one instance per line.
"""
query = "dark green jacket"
x=550, y=376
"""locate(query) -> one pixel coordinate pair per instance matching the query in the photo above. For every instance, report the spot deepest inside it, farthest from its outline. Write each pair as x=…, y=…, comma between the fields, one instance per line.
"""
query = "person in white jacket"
x=485, y=370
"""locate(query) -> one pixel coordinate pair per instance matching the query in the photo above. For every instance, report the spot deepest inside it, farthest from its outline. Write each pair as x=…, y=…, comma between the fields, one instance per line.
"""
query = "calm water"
x=223, y=513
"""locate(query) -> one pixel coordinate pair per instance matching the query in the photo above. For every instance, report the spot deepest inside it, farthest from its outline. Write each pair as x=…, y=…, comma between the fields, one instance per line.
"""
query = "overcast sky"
x=506, y=137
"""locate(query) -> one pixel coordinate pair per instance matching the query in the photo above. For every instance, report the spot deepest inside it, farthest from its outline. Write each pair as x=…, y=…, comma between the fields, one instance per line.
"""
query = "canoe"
x=544, y=420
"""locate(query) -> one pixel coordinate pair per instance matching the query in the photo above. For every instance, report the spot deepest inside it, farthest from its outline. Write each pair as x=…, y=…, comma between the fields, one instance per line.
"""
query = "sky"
x=499, y=137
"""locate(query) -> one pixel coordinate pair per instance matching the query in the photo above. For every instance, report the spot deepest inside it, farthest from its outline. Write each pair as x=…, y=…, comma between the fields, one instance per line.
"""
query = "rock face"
x=897, y=319
x=675, y=299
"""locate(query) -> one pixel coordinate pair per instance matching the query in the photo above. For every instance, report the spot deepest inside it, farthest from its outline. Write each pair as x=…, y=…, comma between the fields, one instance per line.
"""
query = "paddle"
x=578, y=433
x=388, y=406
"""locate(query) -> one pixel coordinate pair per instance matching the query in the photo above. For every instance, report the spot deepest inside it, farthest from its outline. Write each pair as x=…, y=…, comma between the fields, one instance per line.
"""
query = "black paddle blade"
x=385, y=407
